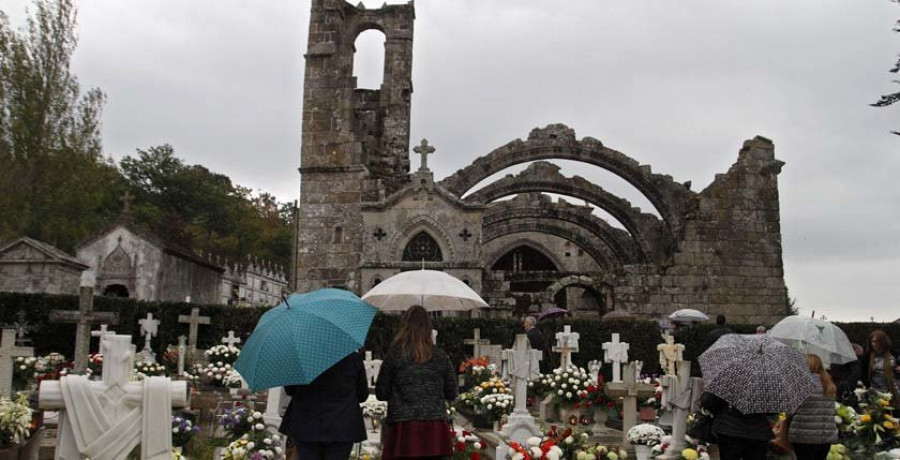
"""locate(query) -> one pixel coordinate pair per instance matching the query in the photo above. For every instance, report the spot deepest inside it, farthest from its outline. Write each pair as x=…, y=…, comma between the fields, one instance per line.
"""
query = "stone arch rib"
x=497, y=255
x=583, y=239
x=671, y=199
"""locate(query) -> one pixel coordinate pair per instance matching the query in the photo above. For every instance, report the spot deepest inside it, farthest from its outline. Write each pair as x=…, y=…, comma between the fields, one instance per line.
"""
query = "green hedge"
x=643, y=336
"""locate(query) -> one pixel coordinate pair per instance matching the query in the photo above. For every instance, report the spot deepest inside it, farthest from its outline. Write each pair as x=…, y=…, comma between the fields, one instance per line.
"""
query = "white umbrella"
x=815, y=336
x=688, y=315
x=434, y=290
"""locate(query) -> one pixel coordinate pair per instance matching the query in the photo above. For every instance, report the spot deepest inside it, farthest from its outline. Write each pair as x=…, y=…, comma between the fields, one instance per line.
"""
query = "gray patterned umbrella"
x=756, y=374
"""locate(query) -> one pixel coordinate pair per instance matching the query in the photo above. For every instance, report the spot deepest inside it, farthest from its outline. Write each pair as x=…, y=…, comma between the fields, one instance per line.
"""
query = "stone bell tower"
x=355, y=141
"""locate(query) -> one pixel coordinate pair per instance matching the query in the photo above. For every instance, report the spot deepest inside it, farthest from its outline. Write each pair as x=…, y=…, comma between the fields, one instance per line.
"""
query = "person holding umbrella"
x=417, y=380
x=811, y=430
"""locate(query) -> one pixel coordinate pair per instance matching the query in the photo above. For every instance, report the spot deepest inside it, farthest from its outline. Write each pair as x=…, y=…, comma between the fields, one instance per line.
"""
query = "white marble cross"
x=9, y=351
x=181, y=350
x=119, y=406
x=476, y=343
x=373, y=367
x=615, y=352
x=231, y=339
x=566, y=344
x=149, y=328
x=194, y=319
x=103, y=332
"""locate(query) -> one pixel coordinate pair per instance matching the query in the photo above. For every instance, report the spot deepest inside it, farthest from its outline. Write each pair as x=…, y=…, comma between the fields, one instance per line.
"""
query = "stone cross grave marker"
x=631, y=390
x=84, y=317
x=129, y=411
x=566, y=344
x=195, y=320
x=670, y=354
x=181, y=350
x=524, y=364
x=615, y=352
x=681, y=395
x=149, y=328
x=103, y=332
x=23, y=327
x=231, y=340
x=373, y=367
x=9, y=351
x=477, y=343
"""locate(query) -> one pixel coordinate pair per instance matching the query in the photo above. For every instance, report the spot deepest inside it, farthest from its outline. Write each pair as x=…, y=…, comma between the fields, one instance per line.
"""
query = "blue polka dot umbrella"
x=302, y=337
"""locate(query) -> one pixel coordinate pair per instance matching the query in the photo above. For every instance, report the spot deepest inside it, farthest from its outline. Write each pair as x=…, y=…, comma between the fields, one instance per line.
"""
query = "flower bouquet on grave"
x=24, y=373
x=839, y=452
x=692, y=450
x=238, y=421
x=170, y=360
x=877, y=429
x=600, y=452
x=569, y=386
x=224, y=354
x=16, y=418
x=476, y=370
x=233, y=379
x=846, y=420
x=568, y=440
x=466, y=446
x=495, y=405
x=214, y=374
x=257, y=444
x=95, y=363
x=144, y=370
x=887, y=455
x=534, y=449
x=183, y=429
x=645, y=434
x=51, y=367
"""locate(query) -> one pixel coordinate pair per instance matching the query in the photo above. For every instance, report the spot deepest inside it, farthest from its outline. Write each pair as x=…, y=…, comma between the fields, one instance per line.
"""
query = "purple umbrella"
x=552, y=313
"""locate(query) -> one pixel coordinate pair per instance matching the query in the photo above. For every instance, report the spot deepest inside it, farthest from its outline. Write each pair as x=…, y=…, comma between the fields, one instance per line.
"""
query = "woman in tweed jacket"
x=417, y=380
x=811, y=429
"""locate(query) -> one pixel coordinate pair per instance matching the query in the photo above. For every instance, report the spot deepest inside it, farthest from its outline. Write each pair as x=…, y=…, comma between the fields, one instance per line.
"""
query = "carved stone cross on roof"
x=476, y=343
x=126, y=200
x=424, y=150
x=9, y=351
x=566, y=344
x=231, y=339
x=84, y=317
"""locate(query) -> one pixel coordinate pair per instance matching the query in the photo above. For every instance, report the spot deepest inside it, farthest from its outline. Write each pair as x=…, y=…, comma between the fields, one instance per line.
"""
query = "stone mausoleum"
x=364, y=217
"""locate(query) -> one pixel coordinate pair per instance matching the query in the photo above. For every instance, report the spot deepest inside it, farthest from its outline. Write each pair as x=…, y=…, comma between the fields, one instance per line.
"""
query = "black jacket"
x=731, y=422
x=416, y=391
x=714, y=335
x=327, y=410
x=538, y=342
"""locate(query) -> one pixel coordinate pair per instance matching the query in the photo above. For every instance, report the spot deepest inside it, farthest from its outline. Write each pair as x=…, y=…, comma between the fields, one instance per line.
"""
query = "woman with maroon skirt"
x=416, y=379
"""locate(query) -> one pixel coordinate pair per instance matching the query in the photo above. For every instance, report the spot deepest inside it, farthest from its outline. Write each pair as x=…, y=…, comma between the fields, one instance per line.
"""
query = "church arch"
x=368, y=58
x=430, y=227
x=601, y=291
x=495, y=257
x=671, y=199
x=422, y=247
x=116, y=290
x=592, y=245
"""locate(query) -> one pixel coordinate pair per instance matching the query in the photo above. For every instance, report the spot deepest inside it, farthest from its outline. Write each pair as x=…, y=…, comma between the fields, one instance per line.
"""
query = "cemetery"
x=474, y=317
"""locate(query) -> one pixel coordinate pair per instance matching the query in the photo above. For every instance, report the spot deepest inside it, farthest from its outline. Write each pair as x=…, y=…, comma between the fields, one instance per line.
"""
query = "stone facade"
x=253, y=284
x=363, y=217
x=28, y=265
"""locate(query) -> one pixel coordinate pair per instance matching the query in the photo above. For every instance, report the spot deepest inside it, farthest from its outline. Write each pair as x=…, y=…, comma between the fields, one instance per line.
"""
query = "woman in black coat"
x=740, y=436
x=324, y=418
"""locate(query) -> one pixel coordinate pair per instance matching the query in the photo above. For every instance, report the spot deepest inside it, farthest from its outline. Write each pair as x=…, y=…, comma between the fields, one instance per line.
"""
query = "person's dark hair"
x=413, y=338
x=880, y=338
x=720, y=320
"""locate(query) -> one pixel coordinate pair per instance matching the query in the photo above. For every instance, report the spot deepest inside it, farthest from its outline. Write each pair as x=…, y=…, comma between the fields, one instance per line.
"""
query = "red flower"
x=588, y=404
x=475, y=456
x=460, y=446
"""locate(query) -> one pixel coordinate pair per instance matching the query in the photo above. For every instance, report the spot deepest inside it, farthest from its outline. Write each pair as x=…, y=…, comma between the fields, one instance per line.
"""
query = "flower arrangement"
x=223, y=353
x=215, y=374
x=170, y=360
x=15, y=421
x=568, y=440
x=534, y=449
x=475, y=370
x=570, y=386
x=466, y=446
x=258, y=445
x=887, y=455
x=645, y=434
x=654, y=401
x=183, y=429
x=839, y=452
x=144, y=370
x=846, y=418
x=691, y=451
x=51, y=367
x=238, y=421
x=496, y=405
x=601, y=452
x=373, y=408
x=24, y=371
x=95, y=363
x=176, y=455
x=877, y=425
x=473, y=401
x=233, y=379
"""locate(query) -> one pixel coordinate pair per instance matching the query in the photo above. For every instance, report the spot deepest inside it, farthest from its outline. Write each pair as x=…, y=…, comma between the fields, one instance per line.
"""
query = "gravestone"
x=524, y=364
x=149, y=328
x=182, y=349
x=566, y=344
x=434, y=334
x=477, y=343
x=84, y=317
x=615, y=352
x=194, y=320
x=107, y=419
x=494, y=354
x=630, y=390
x=681, y=396
x=23, y=327
x=101, y=333
x=231, y=340
x=9, y=351
x=670, y=354
x=373, y=367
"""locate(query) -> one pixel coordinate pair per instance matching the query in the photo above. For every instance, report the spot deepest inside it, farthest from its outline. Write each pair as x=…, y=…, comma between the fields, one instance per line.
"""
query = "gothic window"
x=422, y=247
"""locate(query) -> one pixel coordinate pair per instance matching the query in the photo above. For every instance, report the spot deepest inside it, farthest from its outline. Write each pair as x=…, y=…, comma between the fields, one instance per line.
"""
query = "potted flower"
x=475, y=370
x=570, y=391
x=24, y=372
x=183, y=429
x=15, y=426
x=495, y=405
x=568, y=440
x=258, y=444
x=144, y=370
x=534, y=449
x=643, y=437
x=466, y=446
x=600, y=452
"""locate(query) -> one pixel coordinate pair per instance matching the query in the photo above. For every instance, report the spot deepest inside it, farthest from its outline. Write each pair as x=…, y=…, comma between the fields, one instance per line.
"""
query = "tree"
x=55, y=184
x=889, y=99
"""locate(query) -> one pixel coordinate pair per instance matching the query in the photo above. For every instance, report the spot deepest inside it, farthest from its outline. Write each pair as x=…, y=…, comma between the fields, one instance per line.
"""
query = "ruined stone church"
x=363, y=216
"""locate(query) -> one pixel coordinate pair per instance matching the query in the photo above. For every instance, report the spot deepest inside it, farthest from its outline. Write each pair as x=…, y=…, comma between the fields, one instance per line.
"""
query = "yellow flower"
x=689, y=454
x=865, y=418
x=366, y=457
x=883, y=402
x=887, y=424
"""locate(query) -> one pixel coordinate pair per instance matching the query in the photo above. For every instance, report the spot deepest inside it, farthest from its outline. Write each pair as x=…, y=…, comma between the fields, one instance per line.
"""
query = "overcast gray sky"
x=677, y=85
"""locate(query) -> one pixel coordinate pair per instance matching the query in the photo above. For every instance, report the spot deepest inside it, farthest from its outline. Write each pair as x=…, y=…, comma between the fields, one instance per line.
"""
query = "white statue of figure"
x=670, y=354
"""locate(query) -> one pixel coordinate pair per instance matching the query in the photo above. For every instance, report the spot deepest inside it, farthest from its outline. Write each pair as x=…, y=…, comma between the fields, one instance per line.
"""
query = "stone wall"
x=145, y=257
